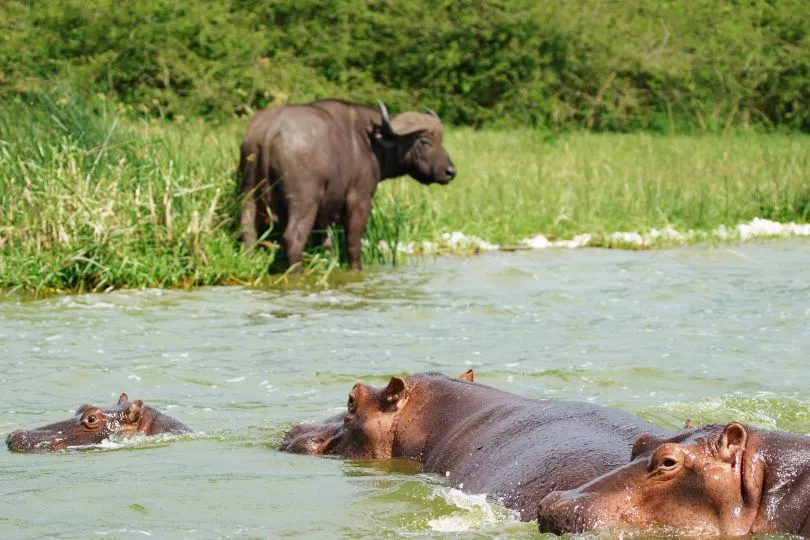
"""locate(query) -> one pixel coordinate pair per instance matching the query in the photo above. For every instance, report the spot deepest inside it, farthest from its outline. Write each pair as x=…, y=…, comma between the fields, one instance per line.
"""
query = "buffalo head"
x=417, y=139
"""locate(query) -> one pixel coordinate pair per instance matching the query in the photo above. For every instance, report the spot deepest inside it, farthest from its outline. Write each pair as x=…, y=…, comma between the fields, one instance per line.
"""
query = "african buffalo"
x=319, y=164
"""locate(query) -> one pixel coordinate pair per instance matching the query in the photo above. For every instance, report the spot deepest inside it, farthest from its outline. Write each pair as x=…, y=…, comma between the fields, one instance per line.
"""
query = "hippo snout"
x=558, y=514
x=34, y=441
x=14, y=439
x=20, y=441
x=312, y=439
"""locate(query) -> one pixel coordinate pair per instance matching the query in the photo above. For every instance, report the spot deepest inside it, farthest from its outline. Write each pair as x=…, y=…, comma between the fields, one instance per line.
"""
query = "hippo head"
x=366, y=430
x=91, y=425
x=417, y=139
x=716, y=479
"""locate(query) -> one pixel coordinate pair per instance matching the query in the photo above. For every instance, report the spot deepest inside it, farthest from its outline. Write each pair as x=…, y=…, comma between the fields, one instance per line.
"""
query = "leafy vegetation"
x=661, y=65
x=93, y=201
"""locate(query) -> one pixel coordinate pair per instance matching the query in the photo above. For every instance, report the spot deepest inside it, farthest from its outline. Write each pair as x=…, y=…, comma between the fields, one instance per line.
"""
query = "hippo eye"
x=92, y=419
x=668, y=463
x=351, y=404
x=424, y=141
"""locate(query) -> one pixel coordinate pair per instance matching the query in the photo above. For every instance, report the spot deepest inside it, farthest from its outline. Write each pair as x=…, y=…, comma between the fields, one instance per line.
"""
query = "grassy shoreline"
x=94, y=202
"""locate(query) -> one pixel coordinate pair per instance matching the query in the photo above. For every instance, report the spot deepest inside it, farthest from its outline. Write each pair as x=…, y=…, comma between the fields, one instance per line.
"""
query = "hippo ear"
x=732, y=442
x=644, y=443
x=123, y=399
x=393, y=392
x=733, y=447
x=133, y=413
x=468, y=375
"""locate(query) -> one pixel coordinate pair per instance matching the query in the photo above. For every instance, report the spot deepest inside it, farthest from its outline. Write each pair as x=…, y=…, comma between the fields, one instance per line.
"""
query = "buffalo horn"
x=386, y=122
x=431, y=112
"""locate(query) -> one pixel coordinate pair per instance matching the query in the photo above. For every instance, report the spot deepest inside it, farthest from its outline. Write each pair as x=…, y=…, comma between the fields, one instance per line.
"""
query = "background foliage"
x=663, y=65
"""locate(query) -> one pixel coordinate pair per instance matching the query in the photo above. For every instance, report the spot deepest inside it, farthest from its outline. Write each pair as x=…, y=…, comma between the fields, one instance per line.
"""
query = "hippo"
x=317, y=439
x=716, y=479
x=91, y=425
x=484, y=440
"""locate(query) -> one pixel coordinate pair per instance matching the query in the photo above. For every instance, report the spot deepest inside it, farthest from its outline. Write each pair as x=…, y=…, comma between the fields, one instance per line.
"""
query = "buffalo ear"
x=644, y=443
x=123, y=399
x=133, y=413
x=393, y=392
x=378, y=136
x=468, y=375
x=732, y=441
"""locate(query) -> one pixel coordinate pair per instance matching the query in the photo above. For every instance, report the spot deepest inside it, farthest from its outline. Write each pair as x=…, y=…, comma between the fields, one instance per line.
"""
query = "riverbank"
x=97, y=202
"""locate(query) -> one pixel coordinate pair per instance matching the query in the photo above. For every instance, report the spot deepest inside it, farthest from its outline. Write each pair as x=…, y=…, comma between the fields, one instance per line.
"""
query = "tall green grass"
x=91, y=201
x=512, y=184
x=89, y=204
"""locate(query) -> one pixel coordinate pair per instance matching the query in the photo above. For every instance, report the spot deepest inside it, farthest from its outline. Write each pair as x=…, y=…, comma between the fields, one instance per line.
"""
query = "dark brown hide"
x=711, y=480
x=482, y=439
x=309, y=166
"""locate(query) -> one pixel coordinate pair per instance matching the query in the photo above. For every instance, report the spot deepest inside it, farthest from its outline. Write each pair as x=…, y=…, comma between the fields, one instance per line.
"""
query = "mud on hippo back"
x=712, y=480
x=92, y=425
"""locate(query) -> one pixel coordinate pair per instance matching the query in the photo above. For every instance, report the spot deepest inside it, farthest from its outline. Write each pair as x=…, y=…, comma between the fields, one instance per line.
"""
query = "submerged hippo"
x=91, y=425
x=484, y=440
x=715, y=479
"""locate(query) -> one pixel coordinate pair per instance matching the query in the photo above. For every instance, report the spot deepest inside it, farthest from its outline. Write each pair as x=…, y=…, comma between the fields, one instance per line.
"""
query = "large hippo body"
x=91, y=425
x=712, y=480
x=316, y=164
x=482, y=439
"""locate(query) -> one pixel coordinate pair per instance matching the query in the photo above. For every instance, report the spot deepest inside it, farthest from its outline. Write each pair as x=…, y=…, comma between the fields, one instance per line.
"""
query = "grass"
x=93, y=201
x=519, y=183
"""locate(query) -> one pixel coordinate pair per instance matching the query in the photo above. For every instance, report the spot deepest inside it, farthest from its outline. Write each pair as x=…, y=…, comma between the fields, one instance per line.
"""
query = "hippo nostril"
x=450, y=171
x=15, y=439
x=549, y=501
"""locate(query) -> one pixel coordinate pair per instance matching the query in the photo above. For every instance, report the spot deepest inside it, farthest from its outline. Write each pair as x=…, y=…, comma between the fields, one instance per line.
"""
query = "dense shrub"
x=600, y=64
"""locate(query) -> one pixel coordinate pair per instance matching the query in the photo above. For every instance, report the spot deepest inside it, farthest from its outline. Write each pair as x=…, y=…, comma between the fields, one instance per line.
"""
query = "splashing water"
x=475, y=511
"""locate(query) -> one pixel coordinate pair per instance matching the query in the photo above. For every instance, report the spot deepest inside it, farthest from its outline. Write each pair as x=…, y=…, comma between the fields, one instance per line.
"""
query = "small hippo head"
x=91, y=425
x=707, y=480
x=418, y=142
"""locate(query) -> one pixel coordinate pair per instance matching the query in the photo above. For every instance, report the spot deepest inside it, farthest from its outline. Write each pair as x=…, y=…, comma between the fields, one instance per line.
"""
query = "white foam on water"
x=115, y=442
x=84, y=303
x=136, y=531
x=541, y=242
x=457, y=241
x=756, y=228
x=475, y=511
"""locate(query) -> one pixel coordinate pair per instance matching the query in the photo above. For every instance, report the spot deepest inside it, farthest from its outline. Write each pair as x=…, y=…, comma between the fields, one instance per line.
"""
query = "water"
x=711, y=334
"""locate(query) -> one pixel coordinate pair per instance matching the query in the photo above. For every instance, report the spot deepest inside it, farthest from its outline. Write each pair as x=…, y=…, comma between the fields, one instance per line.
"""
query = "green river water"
x=707, y=333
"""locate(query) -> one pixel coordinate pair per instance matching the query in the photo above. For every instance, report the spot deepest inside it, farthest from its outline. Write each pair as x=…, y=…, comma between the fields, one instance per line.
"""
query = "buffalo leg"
x=320, y=235
x=247, y=168
x=299, y=227
x=357, y=217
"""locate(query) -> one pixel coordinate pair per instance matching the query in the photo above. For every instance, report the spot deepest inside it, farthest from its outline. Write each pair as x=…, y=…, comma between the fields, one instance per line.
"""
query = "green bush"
x=663, y=65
